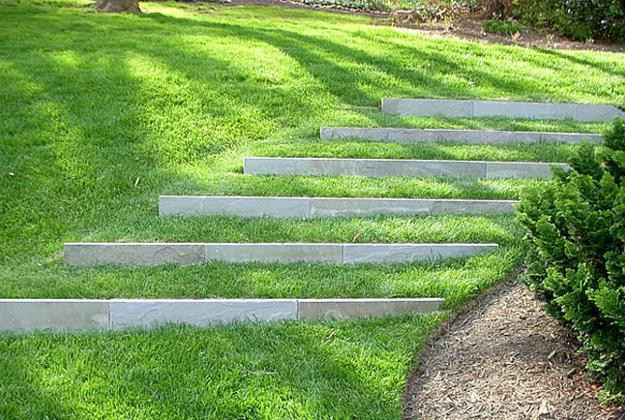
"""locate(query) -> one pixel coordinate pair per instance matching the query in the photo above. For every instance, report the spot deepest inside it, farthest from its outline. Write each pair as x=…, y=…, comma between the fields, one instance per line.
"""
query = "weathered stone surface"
x=311, y=207
x=147, y=313
x=472, y=108
x=58, y=315
x=398, y=167
x=521, y=169
x=133, y=253
x=411, y=135
x=299, y=166
x=363, y=167
x=546, y=111
x=356, y=308
x=239, y=206
x=275, y=252
x=427, y=107
x=330, y=207
x=571, y=138
x=23, y=315
x=361, y=207
x=330, y=253
x=473, y=206
x=403, y=253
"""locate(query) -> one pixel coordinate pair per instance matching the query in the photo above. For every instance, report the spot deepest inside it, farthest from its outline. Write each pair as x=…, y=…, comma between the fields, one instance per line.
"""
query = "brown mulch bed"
x=473, y=29
x=504, y=359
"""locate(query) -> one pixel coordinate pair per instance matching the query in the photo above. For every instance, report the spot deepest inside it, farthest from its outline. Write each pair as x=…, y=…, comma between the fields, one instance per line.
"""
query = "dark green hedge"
x=576, y=259
x=577, y=19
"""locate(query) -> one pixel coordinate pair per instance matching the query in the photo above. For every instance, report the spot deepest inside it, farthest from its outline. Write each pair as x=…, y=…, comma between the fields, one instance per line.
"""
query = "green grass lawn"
x=99, y=114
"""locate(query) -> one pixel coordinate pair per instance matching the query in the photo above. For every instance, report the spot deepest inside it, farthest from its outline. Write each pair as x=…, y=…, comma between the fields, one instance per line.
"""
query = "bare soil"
x=472, y=28
x=504, y=359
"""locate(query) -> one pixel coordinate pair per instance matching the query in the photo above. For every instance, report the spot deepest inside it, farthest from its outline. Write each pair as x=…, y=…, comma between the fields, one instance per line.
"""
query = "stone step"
x=413, y=135
x=25, y=315
x=397, y=167
x=89, y=253
x=473, y=108
x=315, y=207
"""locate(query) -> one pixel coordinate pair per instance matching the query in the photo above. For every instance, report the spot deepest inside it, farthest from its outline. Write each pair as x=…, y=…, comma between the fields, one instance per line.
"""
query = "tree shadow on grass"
x=581, y=60
x=522, y=85
x=108, y=136
x=351, y=369
x=359, y=78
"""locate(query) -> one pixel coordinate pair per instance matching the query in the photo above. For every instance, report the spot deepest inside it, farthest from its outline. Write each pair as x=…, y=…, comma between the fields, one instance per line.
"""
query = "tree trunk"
x=116, y=6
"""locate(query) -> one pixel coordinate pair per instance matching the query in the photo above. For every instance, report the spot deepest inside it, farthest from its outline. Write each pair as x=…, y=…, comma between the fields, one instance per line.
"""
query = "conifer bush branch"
x=576, y=259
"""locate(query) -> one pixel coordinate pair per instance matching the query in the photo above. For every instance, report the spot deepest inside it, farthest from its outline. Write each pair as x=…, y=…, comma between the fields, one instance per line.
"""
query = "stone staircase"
x=69, y=314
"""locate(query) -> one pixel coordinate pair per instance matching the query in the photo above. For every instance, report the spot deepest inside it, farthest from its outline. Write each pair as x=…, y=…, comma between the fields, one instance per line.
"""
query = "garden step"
x=23, y=315
x=397, y=167
x=89, y=253
x=413, y=135
x=473, y=108
x=312, y=207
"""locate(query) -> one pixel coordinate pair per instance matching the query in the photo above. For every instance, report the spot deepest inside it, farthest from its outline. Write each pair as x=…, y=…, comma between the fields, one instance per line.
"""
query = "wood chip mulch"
x=504, y=359
x=472, y=29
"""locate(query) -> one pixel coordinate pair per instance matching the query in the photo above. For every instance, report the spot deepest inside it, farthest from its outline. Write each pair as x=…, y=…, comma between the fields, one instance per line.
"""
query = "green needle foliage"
x=577, y=262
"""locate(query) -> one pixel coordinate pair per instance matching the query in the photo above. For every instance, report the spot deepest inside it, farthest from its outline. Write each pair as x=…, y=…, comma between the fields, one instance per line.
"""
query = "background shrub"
x=577, y=19
x=503, y=27
x=576, y=258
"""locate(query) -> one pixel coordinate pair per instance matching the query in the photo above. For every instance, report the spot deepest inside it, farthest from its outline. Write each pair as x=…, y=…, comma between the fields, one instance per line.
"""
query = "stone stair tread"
x=397, y=167
x=149, y=254
x=418, y=135
x=407, y=107
x=313, y=207
x=26, y=315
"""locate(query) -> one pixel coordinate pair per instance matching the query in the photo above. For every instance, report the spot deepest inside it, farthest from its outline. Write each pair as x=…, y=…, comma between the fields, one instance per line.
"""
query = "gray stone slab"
x=522, y=169
x=571, y=138
x=133, y=253
x=238, y=206
x=24, y=315
x=356, y=308
x=313, y=207
x=362, y=207
x=127, y=313
x=359, y=207
x=364, y=167
x=298, y=166
x=405, y=253
x=547, y=111
x=427, y=107
x=330, y=253
x=411, y=136
x=511, y=109
x=275, y=252
x=399, y=167
x=475, y=207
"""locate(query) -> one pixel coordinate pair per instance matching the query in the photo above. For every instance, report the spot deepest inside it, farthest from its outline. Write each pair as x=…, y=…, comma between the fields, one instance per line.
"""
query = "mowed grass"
x=338, y=370
x=456, y=280
x=99, y=114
